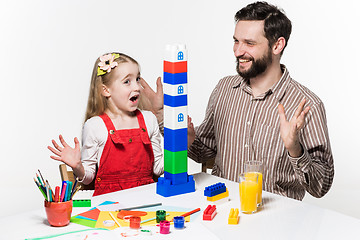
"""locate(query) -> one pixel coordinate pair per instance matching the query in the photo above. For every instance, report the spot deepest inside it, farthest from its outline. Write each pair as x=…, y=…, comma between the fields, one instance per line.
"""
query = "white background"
x=48, y=48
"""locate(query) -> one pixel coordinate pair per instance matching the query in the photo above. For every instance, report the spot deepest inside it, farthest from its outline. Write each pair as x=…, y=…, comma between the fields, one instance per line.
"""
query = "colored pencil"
x=38, y=185
x=76, y=190
x=150, y=219
x=188, y=213
x=42, y=184
x=191, y=212
x=112, y=216
x=141, y=206
x=41, y=176
x=51, y=191
x=47, y=193
x=74, y=186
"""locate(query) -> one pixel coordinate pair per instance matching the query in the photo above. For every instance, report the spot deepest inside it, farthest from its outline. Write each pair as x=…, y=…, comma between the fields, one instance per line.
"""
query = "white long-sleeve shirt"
x=94, y=137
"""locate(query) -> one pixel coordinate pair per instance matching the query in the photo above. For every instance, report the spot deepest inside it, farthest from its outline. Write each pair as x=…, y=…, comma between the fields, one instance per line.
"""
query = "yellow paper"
x=104, y=215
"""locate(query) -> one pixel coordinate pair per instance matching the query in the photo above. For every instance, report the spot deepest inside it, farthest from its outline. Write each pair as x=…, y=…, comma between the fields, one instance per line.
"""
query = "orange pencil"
x=188, y=213
x=191, y=212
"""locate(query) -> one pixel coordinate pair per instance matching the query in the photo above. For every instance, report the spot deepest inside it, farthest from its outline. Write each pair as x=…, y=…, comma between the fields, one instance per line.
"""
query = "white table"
x=279, y=218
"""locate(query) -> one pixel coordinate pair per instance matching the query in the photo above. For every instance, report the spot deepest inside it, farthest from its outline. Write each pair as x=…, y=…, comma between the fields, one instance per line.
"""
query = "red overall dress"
x=127, y=159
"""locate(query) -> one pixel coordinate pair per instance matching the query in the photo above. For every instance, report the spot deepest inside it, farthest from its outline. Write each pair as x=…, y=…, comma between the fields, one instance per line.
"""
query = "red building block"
x=175, y=67
x=209, y=213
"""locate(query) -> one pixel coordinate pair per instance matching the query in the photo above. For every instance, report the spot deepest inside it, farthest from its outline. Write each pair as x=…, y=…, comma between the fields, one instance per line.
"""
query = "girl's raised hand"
x=66, y=154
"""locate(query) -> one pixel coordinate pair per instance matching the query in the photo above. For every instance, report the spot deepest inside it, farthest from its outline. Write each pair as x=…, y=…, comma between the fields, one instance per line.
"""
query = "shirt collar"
x=278, y=89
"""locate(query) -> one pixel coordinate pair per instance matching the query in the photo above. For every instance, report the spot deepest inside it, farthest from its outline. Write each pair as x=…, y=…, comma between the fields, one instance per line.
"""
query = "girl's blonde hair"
x=97, y=103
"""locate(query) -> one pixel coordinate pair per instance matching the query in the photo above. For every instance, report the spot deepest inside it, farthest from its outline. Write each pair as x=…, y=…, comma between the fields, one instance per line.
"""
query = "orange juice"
x=252, y=175
x=248, y=195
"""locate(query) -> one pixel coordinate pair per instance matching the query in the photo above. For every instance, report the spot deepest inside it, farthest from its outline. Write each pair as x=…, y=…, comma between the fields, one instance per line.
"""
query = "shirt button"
x=98, y=179
x=246, y=145
x=130, y=140
x=248, y=123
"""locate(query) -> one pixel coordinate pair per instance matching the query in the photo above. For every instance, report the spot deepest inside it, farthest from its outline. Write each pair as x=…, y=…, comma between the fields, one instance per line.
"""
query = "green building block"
x=82, y=203
x=175, y=162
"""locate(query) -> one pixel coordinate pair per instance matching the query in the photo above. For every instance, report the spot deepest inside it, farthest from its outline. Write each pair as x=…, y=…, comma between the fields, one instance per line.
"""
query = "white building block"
x=175, y=117
x=175, y=53
x=175, y=90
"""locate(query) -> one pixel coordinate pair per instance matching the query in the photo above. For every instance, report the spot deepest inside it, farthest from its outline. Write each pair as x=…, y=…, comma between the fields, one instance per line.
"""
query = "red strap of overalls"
x=144, y=135
x=142, y=125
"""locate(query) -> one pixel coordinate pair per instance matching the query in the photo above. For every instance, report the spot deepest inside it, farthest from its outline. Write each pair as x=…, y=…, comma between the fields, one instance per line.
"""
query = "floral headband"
x=107, y=63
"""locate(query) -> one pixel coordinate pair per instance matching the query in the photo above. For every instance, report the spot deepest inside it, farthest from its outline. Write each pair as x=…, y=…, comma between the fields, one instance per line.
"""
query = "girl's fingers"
x=56, y=145
x=77, y=144
x=56, y=158
x=63, y=141
x=54, y=151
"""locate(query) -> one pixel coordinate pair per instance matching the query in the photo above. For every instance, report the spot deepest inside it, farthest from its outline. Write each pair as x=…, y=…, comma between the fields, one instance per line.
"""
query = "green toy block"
x=82, y=203
x=175, y=162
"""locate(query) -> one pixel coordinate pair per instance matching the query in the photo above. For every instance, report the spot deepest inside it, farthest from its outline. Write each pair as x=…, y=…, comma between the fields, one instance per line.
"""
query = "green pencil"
x=40, y=189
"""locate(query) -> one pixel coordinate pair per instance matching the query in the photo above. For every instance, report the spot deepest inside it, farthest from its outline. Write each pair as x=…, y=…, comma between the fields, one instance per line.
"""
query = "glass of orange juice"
x=252, y=168
x=248, y=188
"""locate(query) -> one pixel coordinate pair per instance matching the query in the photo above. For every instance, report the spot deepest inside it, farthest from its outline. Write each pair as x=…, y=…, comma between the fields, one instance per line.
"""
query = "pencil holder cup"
x=58, y=213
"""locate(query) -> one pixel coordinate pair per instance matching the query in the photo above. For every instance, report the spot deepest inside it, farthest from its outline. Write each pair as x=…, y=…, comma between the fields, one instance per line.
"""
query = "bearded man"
x=263, y=114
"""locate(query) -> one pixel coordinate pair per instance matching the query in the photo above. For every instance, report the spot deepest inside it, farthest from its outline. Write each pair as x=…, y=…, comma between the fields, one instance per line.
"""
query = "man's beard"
x=257, y=67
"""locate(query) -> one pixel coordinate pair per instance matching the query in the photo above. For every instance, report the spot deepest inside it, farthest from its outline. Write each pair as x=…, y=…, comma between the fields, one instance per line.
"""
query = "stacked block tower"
x=176, y=179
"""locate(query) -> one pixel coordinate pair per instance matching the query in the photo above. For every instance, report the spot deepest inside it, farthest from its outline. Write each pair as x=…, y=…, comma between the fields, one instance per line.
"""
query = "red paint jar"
x=135, y=222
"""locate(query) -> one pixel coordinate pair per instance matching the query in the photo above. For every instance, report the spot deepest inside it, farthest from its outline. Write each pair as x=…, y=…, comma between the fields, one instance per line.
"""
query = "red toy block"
x=175, y=67
x=209, y=213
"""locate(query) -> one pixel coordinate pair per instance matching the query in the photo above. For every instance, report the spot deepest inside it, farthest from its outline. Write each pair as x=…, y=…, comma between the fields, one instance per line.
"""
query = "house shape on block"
x=176, y=179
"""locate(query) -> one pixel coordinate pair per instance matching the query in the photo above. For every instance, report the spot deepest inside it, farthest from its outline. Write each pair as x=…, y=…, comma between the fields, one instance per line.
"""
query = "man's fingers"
x=301, y=118
x=300, y=108
x=281, y=113
x=145, y=86
x=159, y=86
x=307, y=109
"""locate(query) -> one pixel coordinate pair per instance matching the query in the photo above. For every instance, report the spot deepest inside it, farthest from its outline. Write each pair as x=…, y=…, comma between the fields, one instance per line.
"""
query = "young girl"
x=123, y=142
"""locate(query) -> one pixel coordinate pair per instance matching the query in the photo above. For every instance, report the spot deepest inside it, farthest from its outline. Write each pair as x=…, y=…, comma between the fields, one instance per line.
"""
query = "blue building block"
x=166, y=189
x=177, y=178
x=175, y=140
x=175, y=101
x=175, y=78
x=215, y=189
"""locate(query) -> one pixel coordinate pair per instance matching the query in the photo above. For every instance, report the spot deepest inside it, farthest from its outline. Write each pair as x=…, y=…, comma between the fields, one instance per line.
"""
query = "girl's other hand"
x=66, y=154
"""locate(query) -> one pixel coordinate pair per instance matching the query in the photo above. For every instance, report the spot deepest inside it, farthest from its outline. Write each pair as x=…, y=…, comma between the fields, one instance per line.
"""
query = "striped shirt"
x=239, y=127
